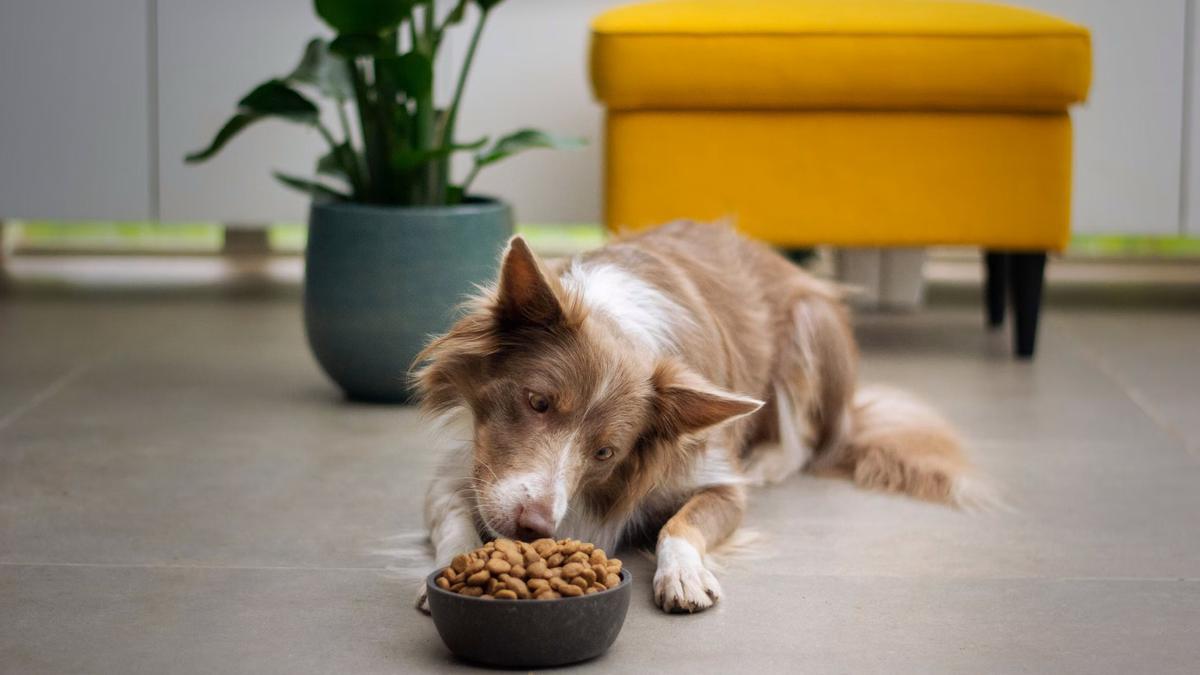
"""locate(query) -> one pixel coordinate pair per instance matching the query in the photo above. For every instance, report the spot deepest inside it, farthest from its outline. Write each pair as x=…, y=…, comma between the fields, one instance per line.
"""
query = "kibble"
x=545, y=569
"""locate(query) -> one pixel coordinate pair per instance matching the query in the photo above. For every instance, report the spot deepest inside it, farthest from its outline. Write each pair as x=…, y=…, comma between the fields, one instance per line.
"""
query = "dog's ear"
x=526, y=294
x=685, y=402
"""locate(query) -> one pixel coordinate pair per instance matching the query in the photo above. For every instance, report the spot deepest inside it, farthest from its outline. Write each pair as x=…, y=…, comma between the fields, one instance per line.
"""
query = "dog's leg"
x=681, y=582
x=776, y=461
x=451, y=525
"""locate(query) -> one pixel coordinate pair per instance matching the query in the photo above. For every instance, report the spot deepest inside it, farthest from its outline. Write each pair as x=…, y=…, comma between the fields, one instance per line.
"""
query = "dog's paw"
x=681, y=583
x=422, y=603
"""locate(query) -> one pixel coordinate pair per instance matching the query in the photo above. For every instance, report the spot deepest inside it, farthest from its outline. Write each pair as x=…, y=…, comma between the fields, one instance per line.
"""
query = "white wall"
x=532, y=70
x=1128, y=136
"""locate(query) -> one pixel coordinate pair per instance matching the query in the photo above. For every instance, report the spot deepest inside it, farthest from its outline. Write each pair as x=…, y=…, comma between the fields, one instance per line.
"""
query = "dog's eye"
x=538, y=403
x=604, y=453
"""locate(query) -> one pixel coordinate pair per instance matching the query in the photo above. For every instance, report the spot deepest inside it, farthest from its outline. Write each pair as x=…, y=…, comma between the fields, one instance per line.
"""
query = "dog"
x=635, y=391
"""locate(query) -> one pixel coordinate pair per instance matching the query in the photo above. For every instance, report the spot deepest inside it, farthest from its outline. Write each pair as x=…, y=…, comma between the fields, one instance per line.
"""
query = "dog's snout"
x=535, y=520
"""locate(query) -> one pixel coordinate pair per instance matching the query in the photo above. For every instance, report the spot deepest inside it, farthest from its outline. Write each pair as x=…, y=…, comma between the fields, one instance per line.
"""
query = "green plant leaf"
x=363, y=16
x=310, y=187
x=412, y=73
x=522, y=140
x=229, y=130
x=276, y=98
x=487, y=5
x=473, y=145
x=339, y=162
x=346, y=165
x=351, y=45
x=329, y=164
x=269, y=99
x=321, y=69
x=457, y=14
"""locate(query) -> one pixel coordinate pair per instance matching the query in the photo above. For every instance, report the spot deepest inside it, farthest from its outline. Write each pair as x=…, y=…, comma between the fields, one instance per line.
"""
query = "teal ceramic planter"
x=379, y=281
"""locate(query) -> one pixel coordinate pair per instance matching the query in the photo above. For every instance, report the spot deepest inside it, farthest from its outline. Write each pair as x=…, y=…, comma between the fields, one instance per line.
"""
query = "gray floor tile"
x=187, y=620
x=212, y=466
x=898, y=625
x=1073, y=510
x=191, y=620
x=181, y=490
x=1154, y=357
x=218, y=442
x=945, y=356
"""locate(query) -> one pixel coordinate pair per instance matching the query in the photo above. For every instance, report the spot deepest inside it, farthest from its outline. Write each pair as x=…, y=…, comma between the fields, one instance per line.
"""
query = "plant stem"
x=446, y=132
x=385, y=104
x=345, y=122
x=466, y=184
x=441, y=31
x=327, y=135
x=446, y=128
x=370, y=137
x=425, y=185
x=354, y=171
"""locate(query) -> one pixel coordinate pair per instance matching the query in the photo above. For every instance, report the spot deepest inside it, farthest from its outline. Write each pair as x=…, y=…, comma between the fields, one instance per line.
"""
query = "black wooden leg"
x=1027, y=270
x=995, y=286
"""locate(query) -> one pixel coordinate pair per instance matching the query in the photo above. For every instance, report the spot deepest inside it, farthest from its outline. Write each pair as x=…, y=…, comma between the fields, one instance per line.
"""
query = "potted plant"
x=394, y=241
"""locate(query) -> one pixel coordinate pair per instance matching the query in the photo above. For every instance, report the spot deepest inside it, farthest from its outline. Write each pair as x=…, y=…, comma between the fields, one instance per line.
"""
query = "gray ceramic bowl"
x=529, y=633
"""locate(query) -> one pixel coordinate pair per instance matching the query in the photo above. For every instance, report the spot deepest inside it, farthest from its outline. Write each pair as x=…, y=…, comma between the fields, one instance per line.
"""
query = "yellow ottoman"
x=848, y=122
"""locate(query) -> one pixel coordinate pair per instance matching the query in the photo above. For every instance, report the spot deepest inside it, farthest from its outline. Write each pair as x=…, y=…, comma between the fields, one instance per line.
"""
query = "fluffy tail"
x=897, y=443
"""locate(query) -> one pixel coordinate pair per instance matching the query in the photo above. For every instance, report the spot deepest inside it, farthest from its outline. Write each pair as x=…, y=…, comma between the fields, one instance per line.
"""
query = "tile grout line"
x=236, y=568
x=1131, y=392
x=302, y=568
x=44, y=395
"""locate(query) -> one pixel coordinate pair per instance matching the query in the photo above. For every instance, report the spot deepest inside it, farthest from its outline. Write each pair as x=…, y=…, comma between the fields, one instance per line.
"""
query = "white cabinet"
x=210, y=54
x=75, y=138
x=1191, y=169
x=1129, y=135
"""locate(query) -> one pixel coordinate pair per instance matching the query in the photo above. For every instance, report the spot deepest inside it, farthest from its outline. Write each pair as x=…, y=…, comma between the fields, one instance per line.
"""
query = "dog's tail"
x=895, y=442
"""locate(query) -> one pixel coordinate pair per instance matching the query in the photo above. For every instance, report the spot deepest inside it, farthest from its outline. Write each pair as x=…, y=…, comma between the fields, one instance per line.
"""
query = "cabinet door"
x=1191, y=213
x=75, y=142
x=210, y=54
x=1128, y=137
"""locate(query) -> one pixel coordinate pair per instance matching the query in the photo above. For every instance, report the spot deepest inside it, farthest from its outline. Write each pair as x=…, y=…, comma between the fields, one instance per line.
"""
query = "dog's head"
x=563, y=405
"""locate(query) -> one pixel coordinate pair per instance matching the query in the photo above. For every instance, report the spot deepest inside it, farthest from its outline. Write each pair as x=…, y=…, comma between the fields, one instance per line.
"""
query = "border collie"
x=635, y=391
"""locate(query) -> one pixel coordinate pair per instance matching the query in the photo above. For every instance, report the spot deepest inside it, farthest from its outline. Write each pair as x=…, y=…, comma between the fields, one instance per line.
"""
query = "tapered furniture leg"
x=995, y=286
x=1027, y=271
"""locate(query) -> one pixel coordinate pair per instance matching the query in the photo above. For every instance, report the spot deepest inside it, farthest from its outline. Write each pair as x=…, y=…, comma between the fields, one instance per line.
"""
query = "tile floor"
x=181, y=491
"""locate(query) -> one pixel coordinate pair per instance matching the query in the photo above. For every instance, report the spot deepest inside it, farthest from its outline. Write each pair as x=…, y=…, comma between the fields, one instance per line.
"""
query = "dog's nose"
x=535, y=520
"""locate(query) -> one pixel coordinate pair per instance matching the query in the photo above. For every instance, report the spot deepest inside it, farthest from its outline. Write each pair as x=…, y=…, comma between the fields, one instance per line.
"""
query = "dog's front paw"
x=681, y=583
x=422, y=603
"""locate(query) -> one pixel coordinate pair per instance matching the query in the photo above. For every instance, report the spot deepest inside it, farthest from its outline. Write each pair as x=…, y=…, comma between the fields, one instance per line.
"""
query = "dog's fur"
x=700, y=361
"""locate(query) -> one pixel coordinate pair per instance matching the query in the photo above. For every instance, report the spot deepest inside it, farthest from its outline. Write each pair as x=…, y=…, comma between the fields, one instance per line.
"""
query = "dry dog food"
x=542, y=570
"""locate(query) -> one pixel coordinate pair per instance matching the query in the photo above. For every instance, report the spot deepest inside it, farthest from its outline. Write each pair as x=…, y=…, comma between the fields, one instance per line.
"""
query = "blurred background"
x=103, y=99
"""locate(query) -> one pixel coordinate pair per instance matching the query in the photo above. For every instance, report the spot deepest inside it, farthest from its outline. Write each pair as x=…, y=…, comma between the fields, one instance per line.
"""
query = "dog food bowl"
x=529, y=633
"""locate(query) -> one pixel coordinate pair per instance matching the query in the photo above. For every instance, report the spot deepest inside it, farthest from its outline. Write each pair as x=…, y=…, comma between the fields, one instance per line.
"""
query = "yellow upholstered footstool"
x=848, y=122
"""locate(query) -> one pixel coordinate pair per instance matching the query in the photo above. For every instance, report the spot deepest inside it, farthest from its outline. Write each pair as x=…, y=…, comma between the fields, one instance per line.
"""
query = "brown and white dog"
x=633, y=392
